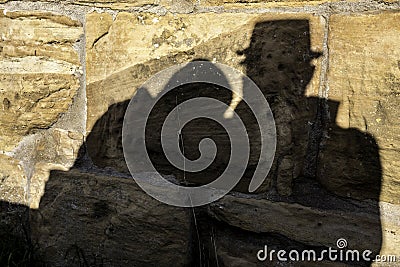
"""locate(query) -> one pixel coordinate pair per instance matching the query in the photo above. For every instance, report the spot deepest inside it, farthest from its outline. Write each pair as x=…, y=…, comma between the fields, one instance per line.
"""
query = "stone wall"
x=329, y=69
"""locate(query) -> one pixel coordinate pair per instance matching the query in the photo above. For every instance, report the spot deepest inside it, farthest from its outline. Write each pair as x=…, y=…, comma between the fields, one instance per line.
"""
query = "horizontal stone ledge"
x=24, y=66
x=305, y=224
x=160, y=6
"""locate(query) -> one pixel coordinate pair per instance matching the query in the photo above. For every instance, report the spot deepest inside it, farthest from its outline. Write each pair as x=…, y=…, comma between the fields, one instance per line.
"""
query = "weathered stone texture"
x=390, y=215
x=56, y=150
x=180, y=6
x=106, y=3
x=364, y=77
x=231, y=4
x=38, y=79
x=120, y=57
x=119, y=224
x=114, y=45
x=349, y=142
x=41, y=34
x=220, y=237
x=309, y=225
x=23, y=180
x=13, y=181
x=118, y=4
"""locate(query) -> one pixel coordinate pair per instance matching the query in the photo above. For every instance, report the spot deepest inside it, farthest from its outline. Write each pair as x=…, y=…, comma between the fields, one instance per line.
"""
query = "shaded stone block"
x=363, y=78
x=95, y=219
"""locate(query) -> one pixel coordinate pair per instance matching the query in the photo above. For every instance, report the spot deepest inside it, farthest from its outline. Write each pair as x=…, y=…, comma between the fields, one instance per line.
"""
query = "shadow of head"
x=278, y=59
x=331, y=176
x=279, y=56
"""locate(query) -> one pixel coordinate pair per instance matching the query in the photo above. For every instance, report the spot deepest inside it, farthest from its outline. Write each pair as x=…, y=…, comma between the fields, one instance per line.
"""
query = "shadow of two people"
x=317, y=163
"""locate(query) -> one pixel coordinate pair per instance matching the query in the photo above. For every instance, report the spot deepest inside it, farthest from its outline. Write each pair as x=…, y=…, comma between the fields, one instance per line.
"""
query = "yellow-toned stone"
x=276, y=50
x=59, y=146
x=126, y=2
x=117, y=4
x=39, y=34
x=179, y=6
x=249, y=4
x=364, y=77
x=122, y=54
x=13, y=182
x=24, y=180
x=232, y=4
x=390, y=214
x=39, y=68
x=31, y=102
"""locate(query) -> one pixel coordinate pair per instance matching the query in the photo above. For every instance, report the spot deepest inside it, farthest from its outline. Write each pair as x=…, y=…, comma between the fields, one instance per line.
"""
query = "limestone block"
x=315, y=226
x=363, y=80
x=219, y=239
x=119, y=224
x=13, y=182
x=231, y=4
x=39, y=69
x=56, y=150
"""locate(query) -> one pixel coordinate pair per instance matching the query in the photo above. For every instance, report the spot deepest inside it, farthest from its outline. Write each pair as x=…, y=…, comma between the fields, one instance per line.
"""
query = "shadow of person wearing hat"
x=278, y=60
x=317, y=163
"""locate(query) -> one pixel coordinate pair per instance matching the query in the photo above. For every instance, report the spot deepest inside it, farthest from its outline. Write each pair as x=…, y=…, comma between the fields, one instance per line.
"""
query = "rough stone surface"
x=330, y=71
x=309, y=225
x=118, y=63
x=259, y=3
x=56, y=150
x=38, y=63
x=13, y=181
x=363, y=78
x=270, y=222
x=334, y=5
x=390, y=215
x=219, y=251
x=119, y=225
x=114, y=51
x=24, y=178
x=39, y=84
x=179, y=6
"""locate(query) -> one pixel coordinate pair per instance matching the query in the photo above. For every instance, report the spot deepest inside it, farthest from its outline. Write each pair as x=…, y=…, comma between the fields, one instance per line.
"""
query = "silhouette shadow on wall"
x=317, y=164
